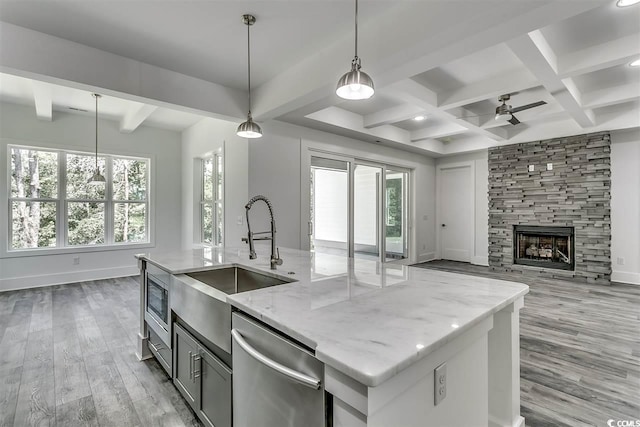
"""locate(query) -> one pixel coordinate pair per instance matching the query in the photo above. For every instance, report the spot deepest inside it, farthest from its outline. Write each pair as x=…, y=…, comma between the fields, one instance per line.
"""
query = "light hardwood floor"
x=579, y=349
x=67, y=359
x=67, y=356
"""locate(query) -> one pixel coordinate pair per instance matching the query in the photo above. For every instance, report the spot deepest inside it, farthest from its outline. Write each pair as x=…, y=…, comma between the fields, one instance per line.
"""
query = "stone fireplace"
x=563, y=185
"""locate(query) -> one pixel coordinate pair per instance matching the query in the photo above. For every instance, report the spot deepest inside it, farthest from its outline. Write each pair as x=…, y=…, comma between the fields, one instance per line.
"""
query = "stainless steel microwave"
x=157, y=312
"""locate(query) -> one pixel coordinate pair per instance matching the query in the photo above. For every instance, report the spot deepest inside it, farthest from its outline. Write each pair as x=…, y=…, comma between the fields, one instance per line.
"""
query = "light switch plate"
x=532, y=168
x=549, y=166
x=440, y=384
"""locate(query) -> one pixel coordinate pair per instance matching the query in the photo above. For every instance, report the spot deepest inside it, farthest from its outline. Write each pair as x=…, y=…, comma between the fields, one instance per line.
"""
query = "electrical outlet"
x=549, y=166
x=439, y=384
x=76, y=260
x=239, y=220
x=620, y=260
x=532, y=168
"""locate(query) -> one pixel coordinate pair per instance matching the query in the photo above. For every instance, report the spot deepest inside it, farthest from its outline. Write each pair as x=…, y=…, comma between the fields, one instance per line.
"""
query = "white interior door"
x=456, y=213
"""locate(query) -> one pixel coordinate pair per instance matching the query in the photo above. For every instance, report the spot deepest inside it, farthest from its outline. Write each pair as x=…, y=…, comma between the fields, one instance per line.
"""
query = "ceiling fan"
x=505, y=112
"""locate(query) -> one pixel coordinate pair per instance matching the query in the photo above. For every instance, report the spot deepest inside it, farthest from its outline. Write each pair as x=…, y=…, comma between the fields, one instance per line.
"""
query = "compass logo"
x=623, y=423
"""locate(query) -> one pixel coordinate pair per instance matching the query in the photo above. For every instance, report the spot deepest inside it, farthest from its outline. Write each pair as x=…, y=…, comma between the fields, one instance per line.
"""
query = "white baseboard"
x=480, y=260
x=26, y=282
x=427, y=256
x=625, y=277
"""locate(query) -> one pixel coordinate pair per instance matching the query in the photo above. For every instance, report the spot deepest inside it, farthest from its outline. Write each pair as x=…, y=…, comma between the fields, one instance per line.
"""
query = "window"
x=53, y=206
x=211, y=207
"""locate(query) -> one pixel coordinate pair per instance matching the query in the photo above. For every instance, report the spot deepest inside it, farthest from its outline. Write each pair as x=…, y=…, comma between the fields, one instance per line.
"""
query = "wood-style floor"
x=67, y=356
x=67, y=359
x=579, y=349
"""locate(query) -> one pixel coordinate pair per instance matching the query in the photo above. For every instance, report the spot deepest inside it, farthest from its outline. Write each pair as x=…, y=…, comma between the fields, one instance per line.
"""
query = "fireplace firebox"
x=540, y=246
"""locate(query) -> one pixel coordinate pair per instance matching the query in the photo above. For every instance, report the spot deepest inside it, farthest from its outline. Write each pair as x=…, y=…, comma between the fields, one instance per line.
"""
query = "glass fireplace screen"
x=550, y=247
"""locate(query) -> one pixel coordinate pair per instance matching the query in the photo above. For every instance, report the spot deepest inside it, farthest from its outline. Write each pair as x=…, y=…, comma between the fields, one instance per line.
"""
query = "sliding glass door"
x=329, y=207
x=396, y=214
x=357, y=208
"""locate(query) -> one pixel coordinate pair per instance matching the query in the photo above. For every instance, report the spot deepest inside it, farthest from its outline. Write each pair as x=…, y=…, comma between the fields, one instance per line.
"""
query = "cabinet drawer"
x=161, y=351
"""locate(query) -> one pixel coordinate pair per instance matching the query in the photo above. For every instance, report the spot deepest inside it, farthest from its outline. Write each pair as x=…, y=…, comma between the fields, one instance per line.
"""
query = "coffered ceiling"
x=446, y=60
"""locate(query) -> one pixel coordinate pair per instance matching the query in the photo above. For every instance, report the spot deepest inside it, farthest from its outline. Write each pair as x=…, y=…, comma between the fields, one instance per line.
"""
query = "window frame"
x=217, y=201
x=62, y=205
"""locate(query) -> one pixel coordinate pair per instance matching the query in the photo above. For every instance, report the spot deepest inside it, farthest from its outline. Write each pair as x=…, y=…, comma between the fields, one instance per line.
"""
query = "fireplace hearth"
x=542, y=246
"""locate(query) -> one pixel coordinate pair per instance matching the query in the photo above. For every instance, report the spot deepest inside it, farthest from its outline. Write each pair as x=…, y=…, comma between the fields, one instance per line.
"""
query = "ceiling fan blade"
x=526, y=107
x=513, y=120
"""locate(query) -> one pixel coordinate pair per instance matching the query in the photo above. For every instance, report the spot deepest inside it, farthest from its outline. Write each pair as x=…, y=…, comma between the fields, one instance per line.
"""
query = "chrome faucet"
x=275, y=253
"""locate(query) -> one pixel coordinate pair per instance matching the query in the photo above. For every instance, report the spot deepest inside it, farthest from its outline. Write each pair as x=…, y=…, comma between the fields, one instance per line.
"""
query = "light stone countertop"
x=366, y=319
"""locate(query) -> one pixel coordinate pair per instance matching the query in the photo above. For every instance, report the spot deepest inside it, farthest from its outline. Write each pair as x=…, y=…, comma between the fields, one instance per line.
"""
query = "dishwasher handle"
x=296, y=376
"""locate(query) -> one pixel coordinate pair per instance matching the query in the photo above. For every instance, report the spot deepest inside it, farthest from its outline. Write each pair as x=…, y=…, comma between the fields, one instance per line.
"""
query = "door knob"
x=444, y=225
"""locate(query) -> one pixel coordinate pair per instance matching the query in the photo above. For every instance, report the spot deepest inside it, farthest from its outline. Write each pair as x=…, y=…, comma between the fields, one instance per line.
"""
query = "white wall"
x=625, y=206
x=275, y=171
x=480, y=255
x=201, y=140
x=19, y=125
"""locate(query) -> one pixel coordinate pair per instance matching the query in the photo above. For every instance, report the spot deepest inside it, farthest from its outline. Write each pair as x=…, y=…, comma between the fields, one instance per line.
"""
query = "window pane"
x=86, y=223
x=79, y=170
x=129, y=179
x=34, y=174
x=219, y=228
x=33, y=225
x=207, y=183
x=130, y=222
x=219, y=178
x=207, y=223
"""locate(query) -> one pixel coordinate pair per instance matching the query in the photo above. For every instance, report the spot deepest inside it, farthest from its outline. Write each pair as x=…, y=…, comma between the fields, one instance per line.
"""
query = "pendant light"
x=249, y=129
x=355, y=84
x=97, y=177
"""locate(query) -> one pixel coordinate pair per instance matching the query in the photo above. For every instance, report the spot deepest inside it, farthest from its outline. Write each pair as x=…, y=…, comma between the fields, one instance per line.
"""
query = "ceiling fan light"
x=503, y=117
x=503, y=113
x=355, y=85
x=249, y=129
x=626, y=3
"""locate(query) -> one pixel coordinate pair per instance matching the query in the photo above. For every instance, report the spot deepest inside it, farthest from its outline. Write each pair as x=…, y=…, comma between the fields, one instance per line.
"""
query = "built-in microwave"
x=157, y=314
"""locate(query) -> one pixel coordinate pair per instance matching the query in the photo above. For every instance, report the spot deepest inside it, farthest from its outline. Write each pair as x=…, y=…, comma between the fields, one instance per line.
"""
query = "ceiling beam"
x=414, y=93
x=353, y=122
x=43, y=98
x=611, y=96
x=493, y=87
x=537, y=55
x=391, y=115
x=437, y=131
x=594, y=58
x=135, y=116
x=31, y=54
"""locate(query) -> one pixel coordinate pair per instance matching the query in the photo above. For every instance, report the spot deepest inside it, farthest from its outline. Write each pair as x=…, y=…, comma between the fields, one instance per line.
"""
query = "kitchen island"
x=381, y=331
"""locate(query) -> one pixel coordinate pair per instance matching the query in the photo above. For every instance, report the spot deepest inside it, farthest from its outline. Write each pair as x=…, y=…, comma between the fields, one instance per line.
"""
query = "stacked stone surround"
x=576, y=193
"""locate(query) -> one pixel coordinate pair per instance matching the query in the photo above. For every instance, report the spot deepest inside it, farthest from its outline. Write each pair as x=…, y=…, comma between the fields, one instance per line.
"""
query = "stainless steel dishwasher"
x=276, y=382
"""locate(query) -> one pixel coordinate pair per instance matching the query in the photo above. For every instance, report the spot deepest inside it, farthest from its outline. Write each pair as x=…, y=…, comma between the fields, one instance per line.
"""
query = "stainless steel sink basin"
x=208, y=312
x=233, y=280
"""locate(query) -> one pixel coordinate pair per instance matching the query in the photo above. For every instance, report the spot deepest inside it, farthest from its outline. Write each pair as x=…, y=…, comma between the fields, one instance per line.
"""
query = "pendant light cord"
x=356, y=30
x=96, y=96
x=249, y=64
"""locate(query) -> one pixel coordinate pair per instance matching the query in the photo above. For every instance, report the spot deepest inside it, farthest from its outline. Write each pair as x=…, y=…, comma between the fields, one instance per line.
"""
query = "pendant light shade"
x=249, y=129
x=355, y=84
x=97, y=177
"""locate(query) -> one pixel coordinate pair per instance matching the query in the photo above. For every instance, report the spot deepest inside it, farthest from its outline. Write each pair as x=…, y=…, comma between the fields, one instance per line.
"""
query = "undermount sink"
x=233, y=280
